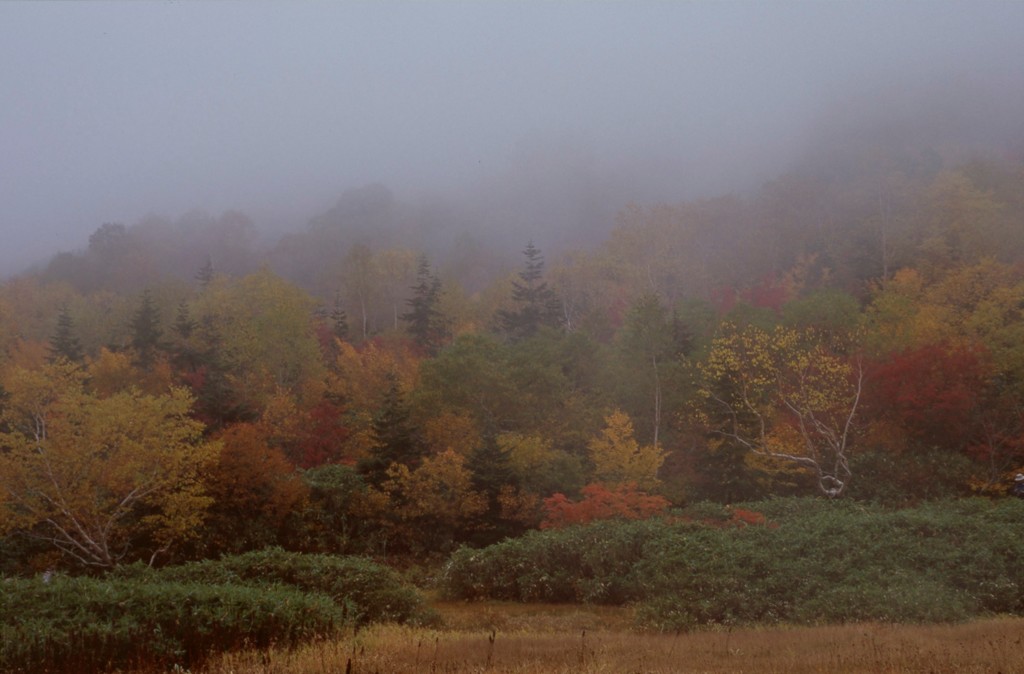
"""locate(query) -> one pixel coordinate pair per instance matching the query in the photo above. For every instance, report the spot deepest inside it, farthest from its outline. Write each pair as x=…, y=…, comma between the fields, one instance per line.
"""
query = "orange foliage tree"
x=254, y=490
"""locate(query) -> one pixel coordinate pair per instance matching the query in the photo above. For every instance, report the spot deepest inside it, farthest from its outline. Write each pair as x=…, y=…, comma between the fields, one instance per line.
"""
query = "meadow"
x=515, y=638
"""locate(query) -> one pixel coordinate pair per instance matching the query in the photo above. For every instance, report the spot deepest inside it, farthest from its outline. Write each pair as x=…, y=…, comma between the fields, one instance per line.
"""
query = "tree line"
x=853, y=334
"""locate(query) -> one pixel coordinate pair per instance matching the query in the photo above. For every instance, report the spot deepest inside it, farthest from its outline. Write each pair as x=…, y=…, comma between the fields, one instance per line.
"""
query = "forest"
x=178, y=393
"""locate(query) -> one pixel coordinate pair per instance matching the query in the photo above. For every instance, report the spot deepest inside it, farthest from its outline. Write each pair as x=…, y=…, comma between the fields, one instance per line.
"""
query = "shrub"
x=90, y=625
x=376, y=593
x=783, y=560
x=592, y=563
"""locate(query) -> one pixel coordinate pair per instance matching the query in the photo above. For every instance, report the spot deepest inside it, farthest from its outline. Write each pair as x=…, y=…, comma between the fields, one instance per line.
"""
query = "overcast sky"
x=110, y=111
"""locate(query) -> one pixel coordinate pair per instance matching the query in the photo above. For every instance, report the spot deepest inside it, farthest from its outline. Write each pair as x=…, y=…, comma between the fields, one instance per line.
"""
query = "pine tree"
x=182, y=348
x=537, y=305
x=395, y=437
x=423, y=317
x=205, y=273
x=339, y=320
x=146, y=332
x=64, y=343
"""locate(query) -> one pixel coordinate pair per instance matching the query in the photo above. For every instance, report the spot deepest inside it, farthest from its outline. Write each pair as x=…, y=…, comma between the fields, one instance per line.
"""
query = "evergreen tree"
x=146, y=332
x=395, y=437
x=205, y=273
x=184, y=326
x=64, y=343
x=182, y=348
x=491, y=472
x=339, y=320
x=423, y=317
x=537, y=305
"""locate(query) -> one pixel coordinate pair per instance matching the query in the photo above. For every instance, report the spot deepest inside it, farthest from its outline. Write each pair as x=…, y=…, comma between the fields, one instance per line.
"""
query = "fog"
x=527, y=114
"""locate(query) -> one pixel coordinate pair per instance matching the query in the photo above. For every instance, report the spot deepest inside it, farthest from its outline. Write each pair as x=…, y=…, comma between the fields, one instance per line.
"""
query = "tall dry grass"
x=536, y=640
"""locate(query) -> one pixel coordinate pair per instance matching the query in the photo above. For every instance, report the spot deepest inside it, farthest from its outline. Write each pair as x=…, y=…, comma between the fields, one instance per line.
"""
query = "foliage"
x=783, y=560
x=101, y=479
x=395, y=440
x=619, y=459
x=65, y=343
x=95, y=625
x=536, y=304
x=424, y=318
x=622, y=501
x=254, y=491
x=594, y=563
x=371, y=592
x=784, y=395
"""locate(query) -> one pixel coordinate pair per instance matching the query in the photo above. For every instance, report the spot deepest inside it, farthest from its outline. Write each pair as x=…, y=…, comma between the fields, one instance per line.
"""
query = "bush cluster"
x=143, y=617
x=812, y=561
x=374, y=592
x=95, y=625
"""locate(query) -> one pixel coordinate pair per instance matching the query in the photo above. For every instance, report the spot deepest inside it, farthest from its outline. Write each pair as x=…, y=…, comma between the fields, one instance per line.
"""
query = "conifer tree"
x=395, y=437
x=182, y=348
x=205, y=273
x=65, y=343
x=423, y=317
x=536, y=303
x=339, y=320
x=146, y=332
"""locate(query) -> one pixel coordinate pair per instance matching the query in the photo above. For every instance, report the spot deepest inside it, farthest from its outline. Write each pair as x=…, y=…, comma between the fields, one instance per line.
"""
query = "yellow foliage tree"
x=111, y=372
x=451, y=430
x=618, y=458
x=784, y=395
x=98, y=477
x=428, y=505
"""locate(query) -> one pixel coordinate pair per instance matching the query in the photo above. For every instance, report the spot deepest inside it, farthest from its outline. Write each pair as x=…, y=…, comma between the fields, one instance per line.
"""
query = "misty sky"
x=110, y=111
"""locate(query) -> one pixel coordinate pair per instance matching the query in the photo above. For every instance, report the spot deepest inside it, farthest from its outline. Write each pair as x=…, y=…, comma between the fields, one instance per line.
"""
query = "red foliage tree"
x=324, y=437
x=599, y=502
x=934, y=392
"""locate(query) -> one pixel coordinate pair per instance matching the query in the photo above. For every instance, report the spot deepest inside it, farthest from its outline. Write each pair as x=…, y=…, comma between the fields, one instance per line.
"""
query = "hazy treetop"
x=113, y=110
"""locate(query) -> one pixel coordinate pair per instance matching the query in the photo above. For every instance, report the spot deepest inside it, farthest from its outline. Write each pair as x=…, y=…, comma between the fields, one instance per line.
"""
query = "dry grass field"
x=539, y=639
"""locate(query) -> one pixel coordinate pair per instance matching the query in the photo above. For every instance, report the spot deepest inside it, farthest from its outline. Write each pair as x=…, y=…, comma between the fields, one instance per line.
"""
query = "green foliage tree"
x=424, y=319
x=146, y=332
x=536, y=303
x=65, y=343
x=395, y=438
x=647, y=344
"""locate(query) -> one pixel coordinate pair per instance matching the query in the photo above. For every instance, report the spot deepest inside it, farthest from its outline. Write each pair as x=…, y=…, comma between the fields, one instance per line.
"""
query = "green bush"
x=376, y=593
x=88, y=625
x=814, y=561
x=593, y=563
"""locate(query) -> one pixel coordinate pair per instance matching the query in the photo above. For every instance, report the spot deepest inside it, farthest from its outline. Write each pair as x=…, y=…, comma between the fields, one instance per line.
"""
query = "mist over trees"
x=469, y=289
x=850, y=329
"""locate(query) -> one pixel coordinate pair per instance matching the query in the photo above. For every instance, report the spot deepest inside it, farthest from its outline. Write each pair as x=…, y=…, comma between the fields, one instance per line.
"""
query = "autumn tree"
x=258, y=334
x=618, y=458
x=601, y=502
x=537, y=467
x=432, y=505
x=785, y=396
x=254, y=489
x=101, y=479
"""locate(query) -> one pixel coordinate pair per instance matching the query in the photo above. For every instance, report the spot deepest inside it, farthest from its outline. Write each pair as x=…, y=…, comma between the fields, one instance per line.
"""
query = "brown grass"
x=531, y=639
